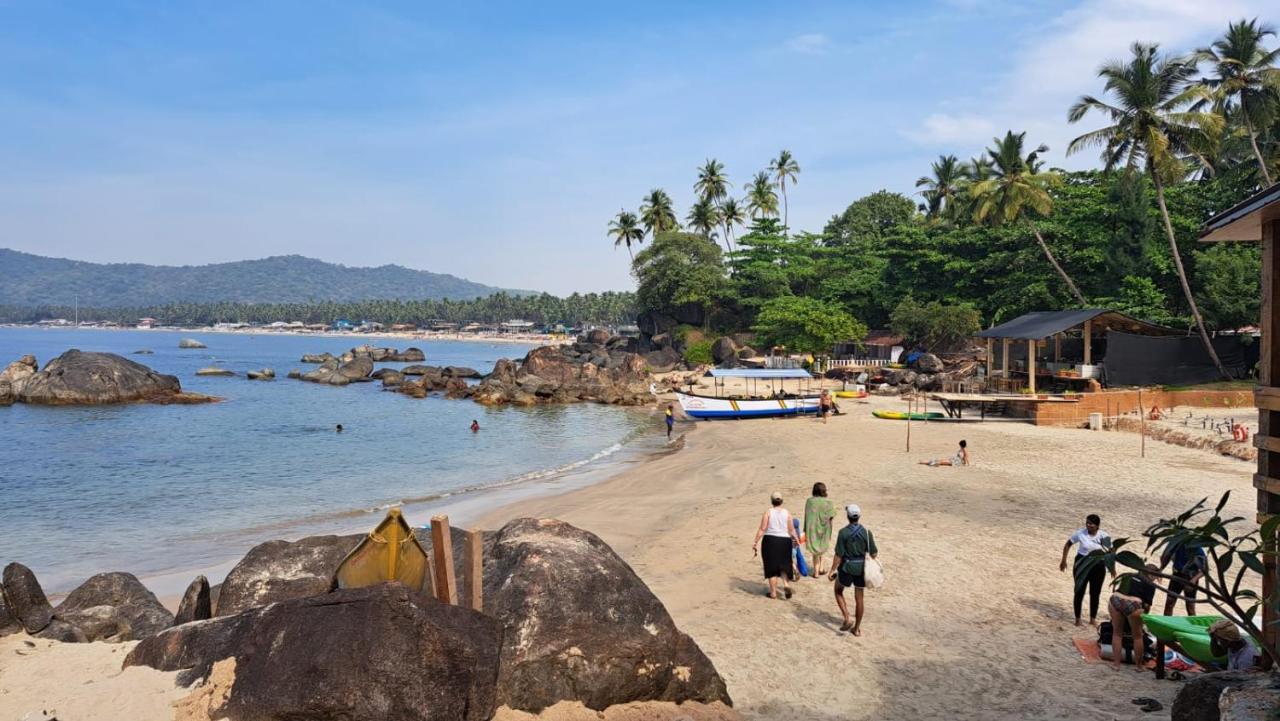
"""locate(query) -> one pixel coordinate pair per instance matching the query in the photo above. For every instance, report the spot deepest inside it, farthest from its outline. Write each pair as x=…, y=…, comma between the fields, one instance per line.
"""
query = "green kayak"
x=902, y=416
x=1197, y=648
x=1164, y=627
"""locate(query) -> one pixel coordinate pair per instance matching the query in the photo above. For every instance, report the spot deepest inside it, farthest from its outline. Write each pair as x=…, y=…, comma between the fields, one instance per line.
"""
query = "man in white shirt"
x=1088, y=540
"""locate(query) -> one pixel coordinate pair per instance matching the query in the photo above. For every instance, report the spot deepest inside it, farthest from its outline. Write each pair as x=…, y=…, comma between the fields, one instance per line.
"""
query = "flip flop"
x=846, y=626
x=787, y=592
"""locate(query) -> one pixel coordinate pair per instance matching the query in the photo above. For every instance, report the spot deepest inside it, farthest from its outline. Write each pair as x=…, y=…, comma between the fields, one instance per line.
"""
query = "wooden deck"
x=953, y=403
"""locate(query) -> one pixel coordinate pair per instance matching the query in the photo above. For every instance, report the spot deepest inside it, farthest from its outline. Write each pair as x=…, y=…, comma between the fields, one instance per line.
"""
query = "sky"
x=495, y=141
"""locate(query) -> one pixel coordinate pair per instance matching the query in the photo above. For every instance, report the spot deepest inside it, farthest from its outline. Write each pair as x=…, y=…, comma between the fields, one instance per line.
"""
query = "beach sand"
x=973, y=623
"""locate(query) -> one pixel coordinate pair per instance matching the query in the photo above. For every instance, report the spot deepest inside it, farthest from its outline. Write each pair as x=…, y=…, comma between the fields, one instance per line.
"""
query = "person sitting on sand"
x=1091, y=539
x=824, y=405
x=1225, y=639
x=1128, y=607
x=475, y=426
x=961, y=458
x=853, y=545
x=670, y=418
x=1188, y=566
x=819, y=515
x=777, y=532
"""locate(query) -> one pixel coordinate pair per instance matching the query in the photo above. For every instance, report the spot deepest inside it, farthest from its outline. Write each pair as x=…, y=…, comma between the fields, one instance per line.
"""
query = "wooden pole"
x=1031, y=366
x=908, y=425
x=1057, y=348
x=474, y=560
x=442, y=550
x=990, y=365
x=1088, y=342
x=1142, y=424
x=1004, y=365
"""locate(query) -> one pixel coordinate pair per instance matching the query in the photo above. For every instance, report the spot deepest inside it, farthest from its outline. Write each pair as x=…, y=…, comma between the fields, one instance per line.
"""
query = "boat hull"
x=390, y=552
x=713, y=408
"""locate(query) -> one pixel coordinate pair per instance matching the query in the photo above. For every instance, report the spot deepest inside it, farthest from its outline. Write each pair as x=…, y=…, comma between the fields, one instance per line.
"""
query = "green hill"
x=30, y=280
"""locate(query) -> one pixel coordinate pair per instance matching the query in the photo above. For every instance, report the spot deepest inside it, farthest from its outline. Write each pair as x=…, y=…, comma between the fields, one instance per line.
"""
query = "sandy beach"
x=974, y=621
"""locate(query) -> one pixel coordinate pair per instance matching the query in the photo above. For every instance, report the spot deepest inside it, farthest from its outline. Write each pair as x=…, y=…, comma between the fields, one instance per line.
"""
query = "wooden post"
x=1004, y=366
x=1031, y=366
x=442, y=550
x=908, y=425
x=474, y=560
x=990, y=365
x=1057, y=348
x=1088, y=342
x=1269, y=425
x=1142, y=424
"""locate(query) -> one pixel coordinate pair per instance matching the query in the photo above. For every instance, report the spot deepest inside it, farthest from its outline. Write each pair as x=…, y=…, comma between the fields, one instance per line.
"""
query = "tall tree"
x=1245, y=77
x=1151, y=124
x=1017, y=189
x=712, y=183
x=784, y=167
x=657, y=213
x=762, y=201
x=626, y=229
x=704, y=217
x=942, y=189
x=731, y=214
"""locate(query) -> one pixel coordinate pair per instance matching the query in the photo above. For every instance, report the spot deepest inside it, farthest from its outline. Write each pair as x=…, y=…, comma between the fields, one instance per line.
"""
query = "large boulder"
x=927, y=363
x=265, y=374
x=20, y=369
x=76, y=378
x=359, y=367
x=609, y=641
x=215, y=371
x=664, y=360
x=460, y=372
x=6, y=393
x=418, y=370
x=408, y=355
x=380, y=652
x=191, y=343
x=281, y=570
x=25, y=599
x=599, y=336
x=723, y=349
x=316, y=357
x=326, y=375
x=391, y=378
x=9, y=623
x=196, y=605
x=1198, y=698
x=134, y=610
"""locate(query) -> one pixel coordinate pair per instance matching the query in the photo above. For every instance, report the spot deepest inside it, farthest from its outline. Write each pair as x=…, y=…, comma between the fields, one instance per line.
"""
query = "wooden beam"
x=1269, y=422
x=1004, y=366
x=442, y=550
x=1264, y=483
x=1266, y=443
x=1267, y=399
x=1057, y=348
x=473, y=556
x=1088, y=342
x=990, y=365
x=1031, y=366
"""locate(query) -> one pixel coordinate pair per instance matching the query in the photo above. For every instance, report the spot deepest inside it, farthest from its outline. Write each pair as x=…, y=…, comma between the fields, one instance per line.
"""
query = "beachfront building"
x=148, y=323
x=517, y=326
x=879, y=347
x=1257, y=220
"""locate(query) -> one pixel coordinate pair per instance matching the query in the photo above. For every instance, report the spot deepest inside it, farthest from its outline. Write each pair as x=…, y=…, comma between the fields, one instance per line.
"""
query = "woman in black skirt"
x=778, y=534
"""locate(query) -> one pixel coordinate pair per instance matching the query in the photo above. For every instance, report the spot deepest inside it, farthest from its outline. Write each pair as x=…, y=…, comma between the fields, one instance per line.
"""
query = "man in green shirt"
x=853, y=545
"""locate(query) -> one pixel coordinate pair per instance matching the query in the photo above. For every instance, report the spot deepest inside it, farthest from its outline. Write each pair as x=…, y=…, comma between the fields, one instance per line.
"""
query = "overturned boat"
x=390, y=552
x=775, y=402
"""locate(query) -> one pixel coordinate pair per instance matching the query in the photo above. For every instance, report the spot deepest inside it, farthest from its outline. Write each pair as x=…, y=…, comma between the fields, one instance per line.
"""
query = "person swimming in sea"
x=339, y=428
x=475, y=426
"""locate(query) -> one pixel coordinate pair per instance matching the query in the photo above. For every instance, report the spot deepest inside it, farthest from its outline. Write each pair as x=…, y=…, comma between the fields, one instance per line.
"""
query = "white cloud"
x=952, y=129
x=809, y=44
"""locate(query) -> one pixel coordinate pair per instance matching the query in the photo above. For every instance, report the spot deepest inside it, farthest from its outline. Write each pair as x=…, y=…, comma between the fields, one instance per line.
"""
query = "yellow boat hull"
x=390, y=552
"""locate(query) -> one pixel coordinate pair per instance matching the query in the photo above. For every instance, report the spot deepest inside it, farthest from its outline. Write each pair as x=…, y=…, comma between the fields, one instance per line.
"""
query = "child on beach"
x=961, y=458
x=670, y=418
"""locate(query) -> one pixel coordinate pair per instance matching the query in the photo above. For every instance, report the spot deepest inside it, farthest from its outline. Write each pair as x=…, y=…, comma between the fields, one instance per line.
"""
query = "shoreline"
x=509, y=338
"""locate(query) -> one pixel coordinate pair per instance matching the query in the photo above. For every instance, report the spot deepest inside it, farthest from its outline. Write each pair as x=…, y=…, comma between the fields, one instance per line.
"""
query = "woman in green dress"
x=819, y=514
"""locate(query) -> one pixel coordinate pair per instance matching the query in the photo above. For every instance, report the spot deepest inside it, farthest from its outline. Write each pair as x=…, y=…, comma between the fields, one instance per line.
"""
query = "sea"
x=166, y=491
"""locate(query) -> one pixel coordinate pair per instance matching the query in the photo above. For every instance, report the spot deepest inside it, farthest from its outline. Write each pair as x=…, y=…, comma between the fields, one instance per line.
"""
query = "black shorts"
x=1181, y=584
x=848, y=580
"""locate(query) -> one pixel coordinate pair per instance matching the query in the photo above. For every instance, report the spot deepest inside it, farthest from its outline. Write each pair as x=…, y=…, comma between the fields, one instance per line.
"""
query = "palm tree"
x=731, y=214
x=712, y=183
x=657, y=213
x=625, y=229
x=942, y=190
x=762, y=201
x=1151, y=124
x=704, y=217
x=783, y=167
x=1017, y=188
x=1246, y=74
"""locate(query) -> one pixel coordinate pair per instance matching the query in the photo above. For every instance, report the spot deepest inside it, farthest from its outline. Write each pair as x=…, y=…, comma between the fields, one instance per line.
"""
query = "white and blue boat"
x=775, y=404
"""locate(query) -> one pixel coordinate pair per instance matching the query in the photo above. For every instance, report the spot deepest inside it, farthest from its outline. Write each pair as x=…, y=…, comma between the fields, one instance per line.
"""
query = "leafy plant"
x=698, y=353
x=934, y=325
x=806, y=325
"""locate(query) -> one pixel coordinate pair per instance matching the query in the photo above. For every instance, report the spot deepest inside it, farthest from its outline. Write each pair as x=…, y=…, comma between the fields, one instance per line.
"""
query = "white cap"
x=852, y=510
x=777, y=496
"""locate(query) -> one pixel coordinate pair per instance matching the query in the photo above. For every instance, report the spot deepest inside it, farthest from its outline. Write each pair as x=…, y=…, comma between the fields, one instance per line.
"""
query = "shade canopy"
x=1045, y=324
x=760, y=373
x=1244, y=220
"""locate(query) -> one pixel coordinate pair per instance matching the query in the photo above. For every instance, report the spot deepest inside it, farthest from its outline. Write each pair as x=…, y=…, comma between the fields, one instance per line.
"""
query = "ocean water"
x=163, y=489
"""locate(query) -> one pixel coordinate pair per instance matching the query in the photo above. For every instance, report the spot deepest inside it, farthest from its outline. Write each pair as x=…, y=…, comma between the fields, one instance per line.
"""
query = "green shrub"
x=698, y=352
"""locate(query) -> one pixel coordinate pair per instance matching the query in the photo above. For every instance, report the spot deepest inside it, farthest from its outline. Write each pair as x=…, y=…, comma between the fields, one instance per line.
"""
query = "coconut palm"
x=731, y=214
x=941, y=191
x=1152, y=123
x=712, y=183
x=626, y=229
x=703, y=217
x=1245, y=78
x=1018, y=189
x=657, y=213
x=784, y=167
x=762, y=201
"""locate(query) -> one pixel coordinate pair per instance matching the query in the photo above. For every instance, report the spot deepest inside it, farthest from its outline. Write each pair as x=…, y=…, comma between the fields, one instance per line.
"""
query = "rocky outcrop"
x=265, y=374
x=663, y=360
x=19, y=370
x=25, y=599
x=390, y=378
x=723, y=349
x=563, y=374
x=418, y=659
x=419, y=370
x=115, y=606
x=608, y=642
x=82, y=378
x=928, y=363
x=460, y=372
x=191, y=343
x=1198, y=699
x=6, y=394
x=358, y=367
x=9, y=623
x=408, y=355
x=144, y=351
x=196, y=605
x=598, y=336
x=214, y=371
x=316, y=357
x=282, y=570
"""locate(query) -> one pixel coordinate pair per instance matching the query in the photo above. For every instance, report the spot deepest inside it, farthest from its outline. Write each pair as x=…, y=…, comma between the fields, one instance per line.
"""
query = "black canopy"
x=1044, y=324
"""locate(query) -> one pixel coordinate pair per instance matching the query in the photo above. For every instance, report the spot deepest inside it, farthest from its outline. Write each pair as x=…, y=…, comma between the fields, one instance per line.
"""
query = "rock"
x=723, y=349
x=76, y=378
x=316, y=357
x=280, y=570
x=139, y=612
x=358, y=367
x=456, y=388
x=663, y=340
x=6, y=394
x=191, y=343
x=95, y=623
x=295, y=374
x=25, y=599
x=415, y=389
x=418, y=659
x=59, y=630
x=20, y=369
x=9, y=623
x=391, y=378
x=608, y=642
x=419, y=370
x=746, y=352
x=460, y=372
x=926, y=382
x=1255, y=700
x=408, y=355
x=1198, y=699
x=908, y=378
x=196, y=605
x=599, y=336
x=144, y=351
x=662, y=361
x=214, y=371
x=927, y=363
x=330, y=376
x=266, y=374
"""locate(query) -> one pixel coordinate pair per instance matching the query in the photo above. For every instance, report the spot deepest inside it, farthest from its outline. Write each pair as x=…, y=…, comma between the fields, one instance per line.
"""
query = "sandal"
x=846, y=626
x=787, y=592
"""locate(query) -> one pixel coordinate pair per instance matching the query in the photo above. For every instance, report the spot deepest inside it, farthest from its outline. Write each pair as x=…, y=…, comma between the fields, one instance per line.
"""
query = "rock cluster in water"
x=85, y=378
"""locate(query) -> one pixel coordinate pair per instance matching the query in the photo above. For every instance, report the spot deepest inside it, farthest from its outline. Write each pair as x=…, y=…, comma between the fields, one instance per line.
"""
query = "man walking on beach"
x=853, y=545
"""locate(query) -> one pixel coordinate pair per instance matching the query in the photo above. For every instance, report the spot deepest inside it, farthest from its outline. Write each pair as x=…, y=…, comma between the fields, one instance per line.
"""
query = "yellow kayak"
x=850, y=394
x=390, y=552
x=901, y=416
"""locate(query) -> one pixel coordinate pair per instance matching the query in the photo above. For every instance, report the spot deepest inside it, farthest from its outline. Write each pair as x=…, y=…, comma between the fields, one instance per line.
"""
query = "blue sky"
x=495, y=141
